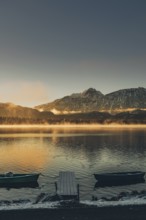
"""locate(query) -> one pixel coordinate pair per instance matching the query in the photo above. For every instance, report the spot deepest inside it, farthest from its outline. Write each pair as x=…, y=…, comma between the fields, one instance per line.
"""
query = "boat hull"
x=117, y=183
x=120, y=177
x=18, y=178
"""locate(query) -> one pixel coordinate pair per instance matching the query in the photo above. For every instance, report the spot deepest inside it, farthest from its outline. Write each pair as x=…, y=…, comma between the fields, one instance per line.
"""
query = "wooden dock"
x=66, y=187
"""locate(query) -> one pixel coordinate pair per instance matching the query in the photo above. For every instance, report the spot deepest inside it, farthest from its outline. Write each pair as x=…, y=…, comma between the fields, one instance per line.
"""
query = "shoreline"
x=77, y=126
x=128, y=212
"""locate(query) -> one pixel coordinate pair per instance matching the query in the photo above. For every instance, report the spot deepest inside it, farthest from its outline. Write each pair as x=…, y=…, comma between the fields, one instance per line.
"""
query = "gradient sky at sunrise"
x=53, y=48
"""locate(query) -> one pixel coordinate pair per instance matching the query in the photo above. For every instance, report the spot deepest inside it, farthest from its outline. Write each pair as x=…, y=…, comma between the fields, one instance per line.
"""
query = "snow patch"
x=124, y=201
x=56, y=204
x=30, y=205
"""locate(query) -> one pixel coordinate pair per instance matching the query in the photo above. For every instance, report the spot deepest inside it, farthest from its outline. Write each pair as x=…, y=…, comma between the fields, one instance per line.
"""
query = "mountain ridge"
x=125, y=106
x=93, y=100
x=11, y=114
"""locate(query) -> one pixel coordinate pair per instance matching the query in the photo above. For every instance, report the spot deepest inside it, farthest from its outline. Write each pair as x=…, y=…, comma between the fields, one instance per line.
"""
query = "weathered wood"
x=67, y=186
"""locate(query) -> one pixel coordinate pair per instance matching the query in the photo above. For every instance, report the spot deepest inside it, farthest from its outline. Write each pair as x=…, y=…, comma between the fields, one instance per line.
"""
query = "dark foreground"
x=106, y=213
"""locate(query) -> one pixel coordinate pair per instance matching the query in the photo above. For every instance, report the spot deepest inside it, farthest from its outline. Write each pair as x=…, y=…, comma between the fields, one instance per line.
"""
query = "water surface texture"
x=84, y=151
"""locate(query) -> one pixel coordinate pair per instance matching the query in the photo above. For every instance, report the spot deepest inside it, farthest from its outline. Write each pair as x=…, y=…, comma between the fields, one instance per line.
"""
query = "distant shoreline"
x=77, y=126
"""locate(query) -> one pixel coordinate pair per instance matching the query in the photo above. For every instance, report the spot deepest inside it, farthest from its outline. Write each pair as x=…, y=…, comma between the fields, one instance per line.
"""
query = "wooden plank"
x=67, y=184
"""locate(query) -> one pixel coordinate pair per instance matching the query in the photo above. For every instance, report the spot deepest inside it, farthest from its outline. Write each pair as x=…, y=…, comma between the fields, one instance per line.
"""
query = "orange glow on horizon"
x=69, y=125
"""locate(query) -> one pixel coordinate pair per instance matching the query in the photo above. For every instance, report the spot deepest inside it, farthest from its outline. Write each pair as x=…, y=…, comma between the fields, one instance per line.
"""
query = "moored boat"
x=11, y=178
x=118, y=183
x=120, y=176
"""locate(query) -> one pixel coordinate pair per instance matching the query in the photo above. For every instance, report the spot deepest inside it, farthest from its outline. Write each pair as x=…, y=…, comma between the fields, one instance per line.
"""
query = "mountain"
x=93, y=100
x=14, y=114
x=134, y=98
x=9, y=112
x=78, y=102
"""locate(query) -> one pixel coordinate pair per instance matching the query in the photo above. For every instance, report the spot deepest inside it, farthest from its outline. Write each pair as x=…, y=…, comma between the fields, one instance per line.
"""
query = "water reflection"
x=105, y=148
x=23, y=155
x=80, y=150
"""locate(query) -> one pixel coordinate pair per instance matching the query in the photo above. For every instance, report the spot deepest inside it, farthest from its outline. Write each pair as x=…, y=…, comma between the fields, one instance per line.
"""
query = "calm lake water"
x=82, y=150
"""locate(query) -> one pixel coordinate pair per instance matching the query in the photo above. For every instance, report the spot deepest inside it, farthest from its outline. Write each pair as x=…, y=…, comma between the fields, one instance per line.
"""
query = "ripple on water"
x=80, y=151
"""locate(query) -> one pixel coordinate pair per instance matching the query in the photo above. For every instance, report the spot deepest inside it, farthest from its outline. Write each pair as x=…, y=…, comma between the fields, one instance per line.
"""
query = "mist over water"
x=84, y=151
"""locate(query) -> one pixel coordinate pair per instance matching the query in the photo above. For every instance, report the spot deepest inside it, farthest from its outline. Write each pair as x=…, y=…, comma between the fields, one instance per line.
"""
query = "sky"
x=53, y=48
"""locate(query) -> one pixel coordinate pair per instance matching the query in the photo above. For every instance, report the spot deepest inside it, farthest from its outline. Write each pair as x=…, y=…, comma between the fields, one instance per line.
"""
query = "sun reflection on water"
x=19, y=156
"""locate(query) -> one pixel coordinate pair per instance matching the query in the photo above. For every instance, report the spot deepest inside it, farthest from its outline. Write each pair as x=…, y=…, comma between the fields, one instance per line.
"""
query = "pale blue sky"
x=52, y=48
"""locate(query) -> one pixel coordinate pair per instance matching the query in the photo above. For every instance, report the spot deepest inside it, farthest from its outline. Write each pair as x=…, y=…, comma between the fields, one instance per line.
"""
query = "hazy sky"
x=53, y=48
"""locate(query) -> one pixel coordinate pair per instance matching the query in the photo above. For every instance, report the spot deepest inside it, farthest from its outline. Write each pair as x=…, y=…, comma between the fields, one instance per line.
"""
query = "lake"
x=84, y=150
